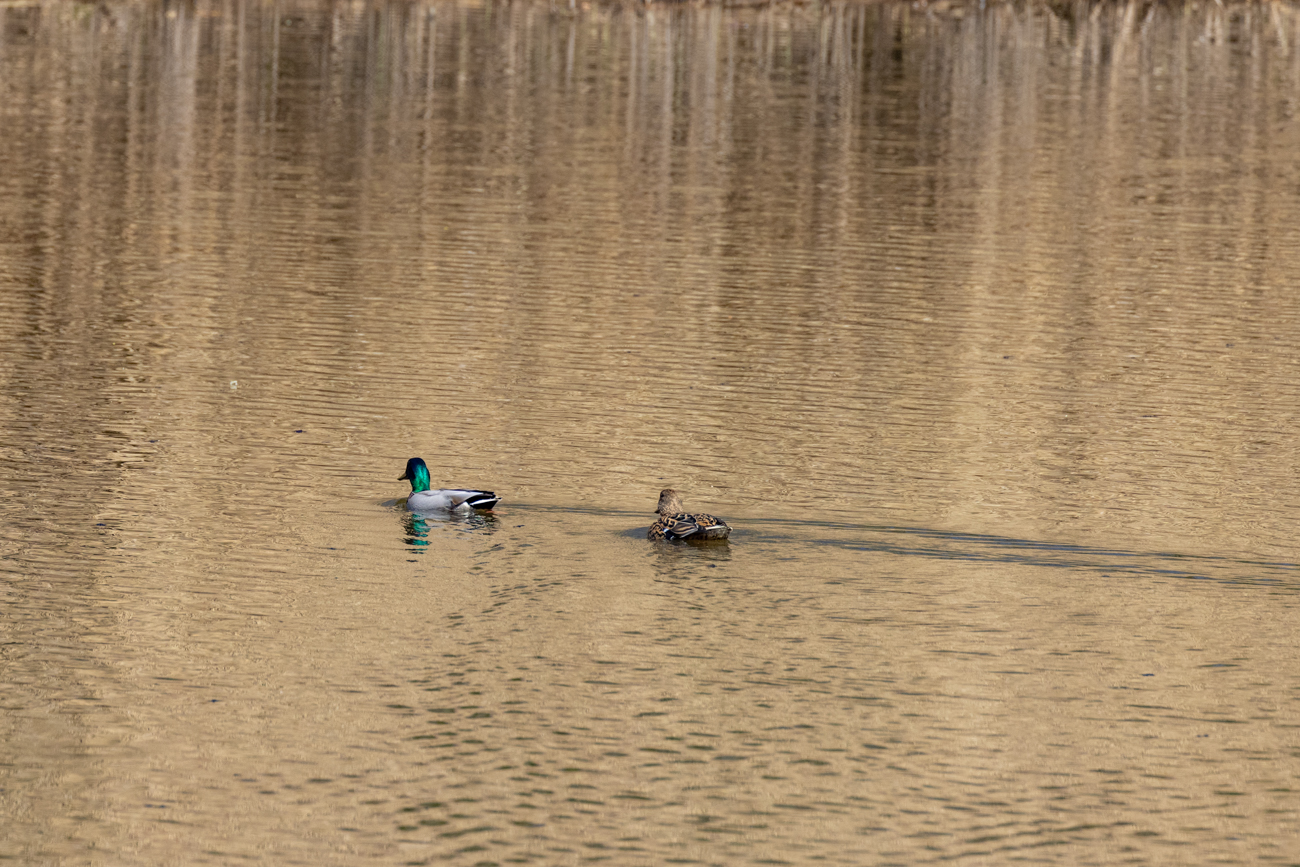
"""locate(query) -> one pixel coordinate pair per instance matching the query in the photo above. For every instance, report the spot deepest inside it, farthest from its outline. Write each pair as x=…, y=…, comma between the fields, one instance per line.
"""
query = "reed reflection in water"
x=976, y=323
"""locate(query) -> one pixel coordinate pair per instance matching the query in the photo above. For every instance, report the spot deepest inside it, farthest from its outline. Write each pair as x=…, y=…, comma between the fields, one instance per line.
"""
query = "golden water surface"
x=978, y=322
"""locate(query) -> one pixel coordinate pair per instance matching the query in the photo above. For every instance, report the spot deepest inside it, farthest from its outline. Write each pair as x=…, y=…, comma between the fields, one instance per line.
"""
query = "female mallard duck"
x=448, y=500
x=674, y=524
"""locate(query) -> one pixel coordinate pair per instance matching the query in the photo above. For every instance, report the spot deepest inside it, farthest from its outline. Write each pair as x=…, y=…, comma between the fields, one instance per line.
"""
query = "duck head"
x=670, y=503
x=417, y=473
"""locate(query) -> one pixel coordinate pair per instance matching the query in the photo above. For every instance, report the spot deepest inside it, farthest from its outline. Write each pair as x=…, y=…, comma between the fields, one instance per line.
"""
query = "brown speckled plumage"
x=675, y=524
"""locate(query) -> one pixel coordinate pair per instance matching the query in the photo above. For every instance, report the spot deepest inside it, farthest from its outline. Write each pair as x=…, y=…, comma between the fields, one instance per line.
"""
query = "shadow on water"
x=982, y=548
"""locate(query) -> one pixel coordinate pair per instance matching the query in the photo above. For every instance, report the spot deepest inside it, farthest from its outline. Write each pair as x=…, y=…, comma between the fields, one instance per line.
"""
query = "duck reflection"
x=688, y=560
x=417, y=525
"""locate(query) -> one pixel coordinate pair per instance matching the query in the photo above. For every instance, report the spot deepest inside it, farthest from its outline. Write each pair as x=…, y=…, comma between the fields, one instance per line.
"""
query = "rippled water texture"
x=977, y=322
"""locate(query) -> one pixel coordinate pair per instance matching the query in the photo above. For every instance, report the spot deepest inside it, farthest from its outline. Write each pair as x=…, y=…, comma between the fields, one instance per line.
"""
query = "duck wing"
x=710, y=527
x=683, y=526
x=482, y=500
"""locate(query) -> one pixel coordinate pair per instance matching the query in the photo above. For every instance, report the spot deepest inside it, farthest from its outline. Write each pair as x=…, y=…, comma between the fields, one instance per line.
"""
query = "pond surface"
x=977, y=323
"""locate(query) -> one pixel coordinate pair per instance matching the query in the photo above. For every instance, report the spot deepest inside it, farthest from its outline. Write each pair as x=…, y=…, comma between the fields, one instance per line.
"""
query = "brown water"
x=979, y=326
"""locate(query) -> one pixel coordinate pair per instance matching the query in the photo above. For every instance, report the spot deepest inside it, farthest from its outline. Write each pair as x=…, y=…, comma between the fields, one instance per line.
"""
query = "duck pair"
x=674, y=523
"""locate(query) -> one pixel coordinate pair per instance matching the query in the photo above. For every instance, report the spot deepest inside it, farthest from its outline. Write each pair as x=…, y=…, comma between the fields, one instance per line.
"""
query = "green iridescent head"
x=417, y=473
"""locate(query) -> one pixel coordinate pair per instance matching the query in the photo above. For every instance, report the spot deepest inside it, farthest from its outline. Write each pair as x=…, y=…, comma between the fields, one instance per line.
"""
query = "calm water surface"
x=978, y=324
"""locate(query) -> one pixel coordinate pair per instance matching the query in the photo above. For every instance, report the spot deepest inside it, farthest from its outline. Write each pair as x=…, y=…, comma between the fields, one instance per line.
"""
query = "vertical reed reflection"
x=707, y=111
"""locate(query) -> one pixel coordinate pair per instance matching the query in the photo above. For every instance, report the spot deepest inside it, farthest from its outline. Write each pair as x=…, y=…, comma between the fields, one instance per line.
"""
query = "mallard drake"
x=675, y=525
x=422, y=499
